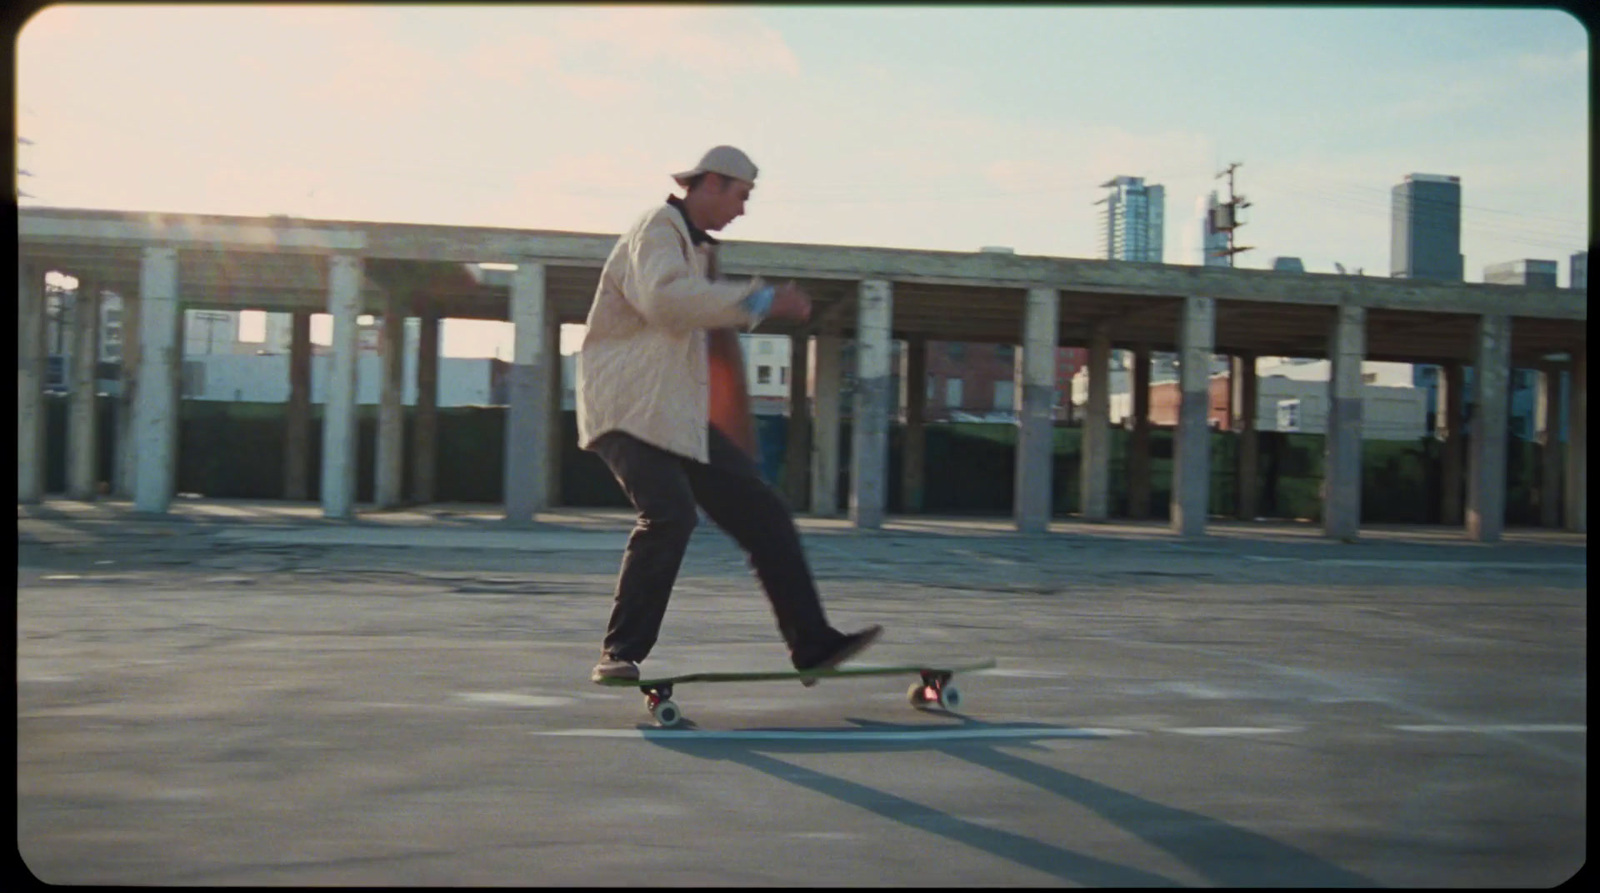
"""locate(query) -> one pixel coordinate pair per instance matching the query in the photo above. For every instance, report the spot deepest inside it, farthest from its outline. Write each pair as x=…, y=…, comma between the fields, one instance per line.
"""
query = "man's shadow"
x=1223, y=854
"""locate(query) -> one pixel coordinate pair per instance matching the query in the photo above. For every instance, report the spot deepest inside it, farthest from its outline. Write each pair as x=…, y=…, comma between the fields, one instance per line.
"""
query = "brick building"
x=980, y=379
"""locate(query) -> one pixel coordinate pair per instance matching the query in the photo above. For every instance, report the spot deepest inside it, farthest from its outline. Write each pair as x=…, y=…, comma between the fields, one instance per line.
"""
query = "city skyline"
x=937, y=128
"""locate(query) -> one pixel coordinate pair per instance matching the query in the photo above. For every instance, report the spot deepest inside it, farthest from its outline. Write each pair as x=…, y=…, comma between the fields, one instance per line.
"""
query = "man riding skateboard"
x=644, y=382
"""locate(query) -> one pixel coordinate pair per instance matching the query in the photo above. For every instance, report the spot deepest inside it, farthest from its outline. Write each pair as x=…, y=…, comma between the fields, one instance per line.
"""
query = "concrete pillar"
x=82, y=419
x=551, y=420
x=826, y=364
x=1139, y=438
x=339, y=413
x=122, y=485
x=527, y=444
x=32, y=353
x=869, y=429
x=1094, y=488
x=391, y=445
x=425, y=433
x=1547, y=410
x=1577, y=478
x=297, y=434
x=1341, y=447
x=797, y=453
x=1191, y=442
x=1453, y=439
x=1244, y=400
x=155, y=414
x=1036, y=389
x=1486, y=461
x=913, y=461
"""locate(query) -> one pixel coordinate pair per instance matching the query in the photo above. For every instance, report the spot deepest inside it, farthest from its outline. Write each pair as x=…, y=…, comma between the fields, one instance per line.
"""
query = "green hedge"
x=236, y=450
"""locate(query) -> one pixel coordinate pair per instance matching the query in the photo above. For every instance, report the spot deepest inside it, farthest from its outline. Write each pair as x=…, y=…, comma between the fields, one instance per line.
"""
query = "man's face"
x=726, y=200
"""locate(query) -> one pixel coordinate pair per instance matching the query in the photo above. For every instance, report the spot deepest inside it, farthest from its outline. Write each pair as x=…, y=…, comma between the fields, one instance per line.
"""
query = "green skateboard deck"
x=933, y=690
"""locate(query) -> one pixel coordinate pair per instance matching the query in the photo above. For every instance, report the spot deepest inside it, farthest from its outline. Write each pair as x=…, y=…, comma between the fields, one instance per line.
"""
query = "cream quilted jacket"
x=643, y=367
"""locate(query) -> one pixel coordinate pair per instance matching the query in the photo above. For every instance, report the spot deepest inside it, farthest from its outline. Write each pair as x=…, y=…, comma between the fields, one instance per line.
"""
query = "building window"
x=1004, y=395
x=194, y=378
x=1288, y=415
x=783, y=375
x=1369, y=378
x=763, y=375
x=932, y=384
x=1005, y=353
x=952, y=393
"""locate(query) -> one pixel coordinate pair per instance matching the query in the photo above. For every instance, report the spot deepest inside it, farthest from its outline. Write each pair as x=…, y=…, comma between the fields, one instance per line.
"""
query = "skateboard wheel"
x=666, y=714
x=949, y=697
x=915, y=695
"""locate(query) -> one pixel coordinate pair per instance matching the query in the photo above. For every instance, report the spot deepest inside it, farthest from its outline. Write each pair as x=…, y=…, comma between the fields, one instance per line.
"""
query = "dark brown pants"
x=665, y=489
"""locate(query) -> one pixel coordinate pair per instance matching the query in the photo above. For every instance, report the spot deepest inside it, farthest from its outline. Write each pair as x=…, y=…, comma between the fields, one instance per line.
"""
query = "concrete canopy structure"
x=343, y=267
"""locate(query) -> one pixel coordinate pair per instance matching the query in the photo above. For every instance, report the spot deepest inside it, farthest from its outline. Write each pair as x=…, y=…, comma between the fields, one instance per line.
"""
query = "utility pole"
x=23, y=141
x=1225, y=217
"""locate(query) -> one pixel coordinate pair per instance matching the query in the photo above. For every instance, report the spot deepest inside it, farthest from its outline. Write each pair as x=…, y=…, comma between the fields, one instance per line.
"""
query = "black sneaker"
x=847, y=647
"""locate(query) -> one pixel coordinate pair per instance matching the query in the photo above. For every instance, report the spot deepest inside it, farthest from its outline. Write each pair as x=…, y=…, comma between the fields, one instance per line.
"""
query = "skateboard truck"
x=658, y=703
x=935, y=688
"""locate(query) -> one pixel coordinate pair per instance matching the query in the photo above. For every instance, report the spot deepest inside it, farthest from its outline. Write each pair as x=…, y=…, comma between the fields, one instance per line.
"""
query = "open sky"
x=948, y=128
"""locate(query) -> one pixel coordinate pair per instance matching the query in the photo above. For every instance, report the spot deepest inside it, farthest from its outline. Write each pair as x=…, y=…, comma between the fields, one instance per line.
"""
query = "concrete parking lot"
x=244, y=694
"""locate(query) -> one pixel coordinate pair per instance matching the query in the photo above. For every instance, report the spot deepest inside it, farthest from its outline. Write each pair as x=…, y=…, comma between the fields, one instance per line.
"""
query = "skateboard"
x=933, y=690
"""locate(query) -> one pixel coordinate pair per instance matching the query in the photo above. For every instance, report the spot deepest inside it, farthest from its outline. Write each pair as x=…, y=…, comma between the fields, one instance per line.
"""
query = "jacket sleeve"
x=669, y=293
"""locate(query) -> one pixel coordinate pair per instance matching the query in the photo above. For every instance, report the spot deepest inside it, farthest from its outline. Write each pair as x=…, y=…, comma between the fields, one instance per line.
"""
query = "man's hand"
x=789, y=302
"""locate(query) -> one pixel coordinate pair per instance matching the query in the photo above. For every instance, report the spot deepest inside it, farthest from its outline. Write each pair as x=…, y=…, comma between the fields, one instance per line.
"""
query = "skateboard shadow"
x=1224, y=854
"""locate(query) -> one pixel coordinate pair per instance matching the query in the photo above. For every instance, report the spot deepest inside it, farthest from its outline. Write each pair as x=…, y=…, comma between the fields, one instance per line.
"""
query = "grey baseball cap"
x=724, y=160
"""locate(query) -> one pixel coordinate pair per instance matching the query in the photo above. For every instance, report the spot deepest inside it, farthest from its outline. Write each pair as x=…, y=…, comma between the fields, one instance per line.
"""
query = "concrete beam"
x=1245, y=396
x=1453, y=440
x=339, y=421
x=297, y=434
x=869, y=455
x=527, y=445
x=1486, y=469
x=425, y=443
x=914, y=391
x=827, y=367
x=1094, y=489
x=180, y=230
x=797, y=454
x=31, y=366
x=41, y=229
x=390, y=457
x=1577, y=477
x=155, y=421
x=1341, y=481
x=1139, y=437
x=1191, y=442
x=83, y=467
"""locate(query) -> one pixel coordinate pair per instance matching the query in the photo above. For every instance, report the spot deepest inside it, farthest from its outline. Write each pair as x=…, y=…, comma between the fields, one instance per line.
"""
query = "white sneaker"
x=611, y=668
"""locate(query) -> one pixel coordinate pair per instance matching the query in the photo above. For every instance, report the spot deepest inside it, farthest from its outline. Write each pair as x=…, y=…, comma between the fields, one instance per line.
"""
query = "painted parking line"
x=830, y=735
x=1424, y=564
x=1500, y=729
x=1020, y=734
x=1224, y=731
